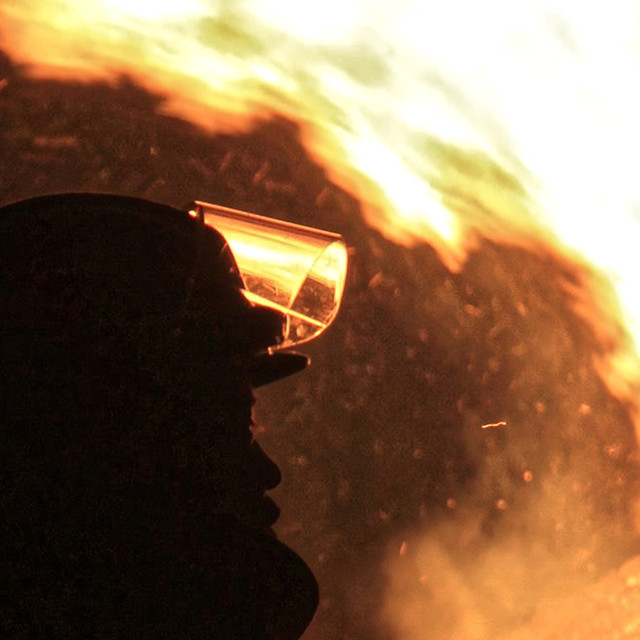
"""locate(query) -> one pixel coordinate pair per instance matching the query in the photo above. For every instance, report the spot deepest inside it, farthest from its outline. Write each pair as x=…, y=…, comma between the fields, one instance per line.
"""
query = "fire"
x=539, y=93
x=514, y=121
x=565, y=192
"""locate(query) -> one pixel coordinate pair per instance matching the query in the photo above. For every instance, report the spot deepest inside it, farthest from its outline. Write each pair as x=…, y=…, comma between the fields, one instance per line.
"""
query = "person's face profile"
x=221, y=468
x=246, y=472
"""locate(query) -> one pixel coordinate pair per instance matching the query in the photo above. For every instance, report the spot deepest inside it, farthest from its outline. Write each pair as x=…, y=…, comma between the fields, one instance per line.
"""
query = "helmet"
x=94, y=260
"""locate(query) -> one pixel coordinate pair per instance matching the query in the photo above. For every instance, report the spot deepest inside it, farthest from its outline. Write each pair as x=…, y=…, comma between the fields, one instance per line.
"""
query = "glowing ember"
x=494, y=425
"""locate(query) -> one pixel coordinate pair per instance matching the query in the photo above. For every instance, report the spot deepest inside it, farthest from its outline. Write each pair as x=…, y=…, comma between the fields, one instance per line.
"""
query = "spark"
x=156, y=9
x=494, y=425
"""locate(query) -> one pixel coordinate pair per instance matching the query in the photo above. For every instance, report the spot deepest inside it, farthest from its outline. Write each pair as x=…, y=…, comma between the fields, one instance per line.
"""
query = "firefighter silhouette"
x=133, y=493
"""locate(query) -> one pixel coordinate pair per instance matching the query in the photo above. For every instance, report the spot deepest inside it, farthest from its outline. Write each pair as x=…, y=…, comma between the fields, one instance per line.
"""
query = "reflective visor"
x=297, y=270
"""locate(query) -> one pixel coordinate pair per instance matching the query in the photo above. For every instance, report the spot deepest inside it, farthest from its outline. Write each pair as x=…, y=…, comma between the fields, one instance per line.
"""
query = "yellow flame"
x=403, y=102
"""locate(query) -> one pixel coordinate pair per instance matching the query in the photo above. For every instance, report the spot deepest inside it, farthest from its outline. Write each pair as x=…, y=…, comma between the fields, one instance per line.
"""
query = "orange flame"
x=377, y=91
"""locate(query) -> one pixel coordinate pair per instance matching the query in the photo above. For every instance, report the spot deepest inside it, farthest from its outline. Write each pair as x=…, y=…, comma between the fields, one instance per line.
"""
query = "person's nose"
x=265, y=469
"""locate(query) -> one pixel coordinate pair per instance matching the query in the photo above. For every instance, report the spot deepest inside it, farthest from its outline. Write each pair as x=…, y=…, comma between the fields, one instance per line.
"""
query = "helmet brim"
x=271, y=367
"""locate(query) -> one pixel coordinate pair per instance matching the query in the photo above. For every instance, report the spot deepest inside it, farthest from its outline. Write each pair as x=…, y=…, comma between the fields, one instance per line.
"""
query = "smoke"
x=481, y=573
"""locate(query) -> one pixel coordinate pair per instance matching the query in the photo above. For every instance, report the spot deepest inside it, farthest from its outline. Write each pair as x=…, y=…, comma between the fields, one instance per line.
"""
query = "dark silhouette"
x=133, y=495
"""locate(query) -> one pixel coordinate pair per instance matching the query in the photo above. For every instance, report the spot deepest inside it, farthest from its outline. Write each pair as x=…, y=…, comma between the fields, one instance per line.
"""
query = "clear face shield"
x=296, y=270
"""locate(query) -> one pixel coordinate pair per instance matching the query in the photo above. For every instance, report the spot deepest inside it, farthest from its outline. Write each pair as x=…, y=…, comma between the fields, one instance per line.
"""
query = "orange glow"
x=517, y=122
